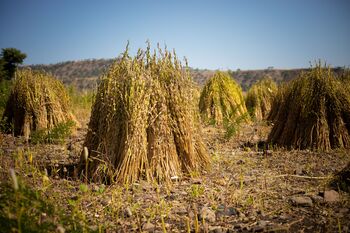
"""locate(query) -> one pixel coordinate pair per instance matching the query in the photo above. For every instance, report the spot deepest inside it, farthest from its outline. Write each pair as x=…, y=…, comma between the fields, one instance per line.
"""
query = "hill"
x=84, y=74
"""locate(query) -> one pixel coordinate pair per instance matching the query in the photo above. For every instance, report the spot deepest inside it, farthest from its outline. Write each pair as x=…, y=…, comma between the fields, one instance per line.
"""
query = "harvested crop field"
x=174, y=116
x=248, y=189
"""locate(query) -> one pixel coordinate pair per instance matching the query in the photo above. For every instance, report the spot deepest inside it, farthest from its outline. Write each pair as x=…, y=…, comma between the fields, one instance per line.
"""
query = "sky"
x=212, y=34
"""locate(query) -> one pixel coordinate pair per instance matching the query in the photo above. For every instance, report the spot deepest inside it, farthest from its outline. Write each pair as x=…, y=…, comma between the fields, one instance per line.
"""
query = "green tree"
x=10, y=59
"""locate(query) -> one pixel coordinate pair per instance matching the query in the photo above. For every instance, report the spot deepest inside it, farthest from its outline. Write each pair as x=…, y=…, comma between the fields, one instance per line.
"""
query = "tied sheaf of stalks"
x=345, y=79
x=37, y=101
x=313, y=111
x=222, y=99
x=259, y=98
x=143, y=123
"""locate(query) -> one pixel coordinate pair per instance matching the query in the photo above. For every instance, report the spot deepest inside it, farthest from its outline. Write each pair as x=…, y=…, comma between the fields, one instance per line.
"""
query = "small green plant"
x=250, y=201
x=5, y=89
x=82, y=99
x=232, y=124
x=58, y=134
x=196, y=190
x=23, y=209
x=38, y=136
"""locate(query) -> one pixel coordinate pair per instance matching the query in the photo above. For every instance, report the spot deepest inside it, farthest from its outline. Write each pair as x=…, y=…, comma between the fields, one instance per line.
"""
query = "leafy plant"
x=232, y=124
x=196, y=190
x=26, y=210
x=80, y=99
x=58, y=134
x=38, y=136
x=5, y=90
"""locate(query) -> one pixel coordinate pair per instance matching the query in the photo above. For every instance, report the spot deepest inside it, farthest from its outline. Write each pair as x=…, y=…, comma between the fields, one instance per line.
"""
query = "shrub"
x=5, y=90
x=58, y=134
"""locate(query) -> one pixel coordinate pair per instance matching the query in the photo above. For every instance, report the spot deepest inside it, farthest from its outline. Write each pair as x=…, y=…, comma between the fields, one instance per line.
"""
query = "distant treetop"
x=9, y=60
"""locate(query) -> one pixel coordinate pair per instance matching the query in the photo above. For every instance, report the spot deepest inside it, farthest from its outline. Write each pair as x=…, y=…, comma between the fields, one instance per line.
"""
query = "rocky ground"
x=250, y=188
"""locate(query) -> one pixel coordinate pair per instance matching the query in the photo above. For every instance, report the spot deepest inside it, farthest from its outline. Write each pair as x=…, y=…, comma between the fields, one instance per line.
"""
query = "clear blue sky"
x=216, y=34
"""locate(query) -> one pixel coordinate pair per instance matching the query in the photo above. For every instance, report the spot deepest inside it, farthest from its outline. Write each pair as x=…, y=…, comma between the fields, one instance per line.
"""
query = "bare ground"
x=250, y=188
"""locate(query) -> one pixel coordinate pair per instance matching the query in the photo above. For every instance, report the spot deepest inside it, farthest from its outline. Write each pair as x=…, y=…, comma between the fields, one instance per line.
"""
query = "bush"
x=27, y=210
x=5, y=90
x=58, y=134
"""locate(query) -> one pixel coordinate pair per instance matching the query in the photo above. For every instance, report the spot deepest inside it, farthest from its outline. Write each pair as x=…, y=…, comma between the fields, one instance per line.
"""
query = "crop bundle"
x=143, y=123
x=259, y=98
x=345, y=78
x=222, y=100
x=37, y=102
x=313, y=111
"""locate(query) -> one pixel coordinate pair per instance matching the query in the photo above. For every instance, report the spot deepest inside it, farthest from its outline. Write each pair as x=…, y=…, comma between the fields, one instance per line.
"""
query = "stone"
x=258, y=228
x=93, y=228
x=196, y=181
x=226, y=211
x=148, y=226
x=317, y=198
x=181, y=210
x=215, y=229
x=299, y=171
x=170, y=197
x=128, y=212
x=60, y=229
x=106, y=201
x=255, y=138
x=268, y=152
x=183, y=193
x=343, y=210
x=208, y=214
x=302, y=201
x=95, y=188
x=239, y=162
x=331, y=196
x=262, y=223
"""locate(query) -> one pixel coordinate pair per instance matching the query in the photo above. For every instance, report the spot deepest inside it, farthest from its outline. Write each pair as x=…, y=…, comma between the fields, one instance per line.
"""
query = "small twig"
x=289, y=175
x=294, y=222
x=303, y=177
x=286, y=227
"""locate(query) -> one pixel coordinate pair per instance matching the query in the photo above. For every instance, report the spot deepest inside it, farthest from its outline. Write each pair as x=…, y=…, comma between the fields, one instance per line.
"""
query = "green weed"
x=58, y=134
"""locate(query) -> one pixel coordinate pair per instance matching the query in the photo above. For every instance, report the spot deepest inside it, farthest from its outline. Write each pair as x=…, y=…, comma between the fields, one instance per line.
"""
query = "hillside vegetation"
x=83, y=74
